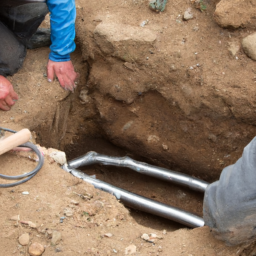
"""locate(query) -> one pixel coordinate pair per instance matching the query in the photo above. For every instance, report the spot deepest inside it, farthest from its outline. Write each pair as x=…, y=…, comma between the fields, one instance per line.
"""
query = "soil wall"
x=179, y=93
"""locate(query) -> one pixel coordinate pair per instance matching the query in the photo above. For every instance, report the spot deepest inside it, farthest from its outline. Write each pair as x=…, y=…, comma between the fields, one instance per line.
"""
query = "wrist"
x=59, y=58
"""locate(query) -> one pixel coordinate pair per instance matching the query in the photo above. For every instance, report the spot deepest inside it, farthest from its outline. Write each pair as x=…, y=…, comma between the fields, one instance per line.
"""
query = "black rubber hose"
x=27, y=176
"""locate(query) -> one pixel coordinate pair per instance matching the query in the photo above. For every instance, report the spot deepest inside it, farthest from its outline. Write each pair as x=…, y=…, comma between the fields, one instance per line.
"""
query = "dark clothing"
x=13, y=3
x=17, y=25
x=230, y=203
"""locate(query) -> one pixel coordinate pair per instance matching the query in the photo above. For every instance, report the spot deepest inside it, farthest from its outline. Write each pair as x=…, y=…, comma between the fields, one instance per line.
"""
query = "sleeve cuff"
x=59, y=58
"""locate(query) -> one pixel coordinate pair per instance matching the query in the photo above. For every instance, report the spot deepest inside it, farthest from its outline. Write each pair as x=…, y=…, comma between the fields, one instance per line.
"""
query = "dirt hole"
x=127, y=179
x=75, y=129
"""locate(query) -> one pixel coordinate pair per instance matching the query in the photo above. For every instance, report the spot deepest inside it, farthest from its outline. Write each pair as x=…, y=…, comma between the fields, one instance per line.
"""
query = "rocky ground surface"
x=172, y=88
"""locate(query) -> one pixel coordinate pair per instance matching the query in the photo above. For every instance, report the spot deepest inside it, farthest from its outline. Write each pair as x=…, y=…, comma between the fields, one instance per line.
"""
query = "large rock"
x=124, y=41
x=235, y=13
x=249, y=46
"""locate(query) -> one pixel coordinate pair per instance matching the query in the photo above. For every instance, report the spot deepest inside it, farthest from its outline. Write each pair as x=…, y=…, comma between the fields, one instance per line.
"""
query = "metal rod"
x=139, y=202
x=143, y=168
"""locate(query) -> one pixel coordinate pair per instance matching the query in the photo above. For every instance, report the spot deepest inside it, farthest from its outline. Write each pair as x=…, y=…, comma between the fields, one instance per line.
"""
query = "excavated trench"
x=82, y=135
x=76, y=128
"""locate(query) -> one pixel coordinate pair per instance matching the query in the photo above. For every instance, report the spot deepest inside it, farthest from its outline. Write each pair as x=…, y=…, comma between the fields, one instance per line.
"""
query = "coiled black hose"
x=27, y=176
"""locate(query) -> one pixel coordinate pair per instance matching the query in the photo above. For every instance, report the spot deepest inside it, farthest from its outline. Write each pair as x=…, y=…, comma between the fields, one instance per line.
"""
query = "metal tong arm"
x=140, y=167
x=139, y=202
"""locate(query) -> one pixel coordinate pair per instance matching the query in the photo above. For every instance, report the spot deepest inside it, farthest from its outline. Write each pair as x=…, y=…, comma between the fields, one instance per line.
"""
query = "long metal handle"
x=143, y=168
x=141, y=203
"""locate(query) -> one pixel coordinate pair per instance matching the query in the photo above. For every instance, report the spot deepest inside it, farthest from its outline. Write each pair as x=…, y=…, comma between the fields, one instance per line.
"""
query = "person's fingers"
x=60, y=78
x=64, y=79
x=65, y=73
x=50, y=72
x=73, y=76
x=14, y=95
x=3, y=106
x=69, y=84
x=9, y=101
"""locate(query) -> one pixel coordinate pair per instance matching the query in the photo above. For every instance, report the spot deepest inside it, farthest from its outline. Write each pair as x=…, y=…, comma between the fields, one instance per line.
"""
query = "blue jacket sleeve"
x=63, y=16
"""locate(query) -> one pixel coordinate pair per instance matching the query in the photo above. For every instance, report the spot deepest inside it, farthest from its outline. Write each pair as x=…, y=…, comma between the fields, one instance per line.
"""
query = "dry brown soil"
x=204, y=115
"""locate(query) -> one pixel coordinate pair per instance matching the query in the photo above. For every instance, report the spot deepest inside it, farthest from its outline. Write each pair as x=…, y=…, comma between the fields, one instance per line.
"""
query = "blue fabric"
x=63, y=16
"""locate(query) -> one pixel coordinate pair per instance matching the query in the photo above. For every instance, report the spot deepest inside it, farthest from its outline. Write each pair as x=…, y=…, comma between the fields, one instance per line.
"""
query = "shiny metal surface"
x=141, y=203
x=143, y=168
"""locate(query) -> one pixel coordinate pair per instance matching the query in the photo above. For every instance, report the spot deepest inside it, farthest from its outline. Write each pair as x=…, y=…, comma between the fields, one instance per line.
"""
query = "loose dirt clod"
x=24, y=239
x=56, y=237
x=131, y=249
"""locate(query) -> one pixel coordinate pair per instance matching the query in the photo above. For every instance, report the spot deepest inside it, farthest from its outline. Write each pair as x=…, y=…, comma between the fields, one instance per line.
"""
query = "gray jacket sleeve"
x=230, y=203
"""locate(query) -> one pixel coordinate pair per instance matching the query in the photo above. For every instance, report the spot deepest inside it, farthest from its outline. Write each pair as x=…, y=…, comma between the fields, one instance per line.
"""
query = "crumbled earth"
x=175, y=92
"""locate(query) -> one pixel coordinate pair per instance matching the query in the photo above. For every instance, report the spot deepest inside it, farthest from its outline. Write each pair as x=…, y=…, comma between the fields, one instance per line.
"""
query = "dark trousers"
x=17, y=25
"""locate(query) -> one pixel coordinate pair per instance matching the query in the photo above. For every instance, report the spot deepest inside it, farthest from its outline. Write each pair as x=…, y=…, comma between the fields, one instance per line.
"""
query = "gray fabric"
x=24, y=20
x=17, y=25
x=230, y=203
x=12, y=52
x=12, y=3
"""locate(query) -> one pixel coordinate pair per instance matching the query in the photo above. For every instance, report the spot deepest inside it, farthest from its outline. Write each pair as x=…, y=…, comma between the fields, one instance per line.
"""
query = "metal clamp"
x=136, y=201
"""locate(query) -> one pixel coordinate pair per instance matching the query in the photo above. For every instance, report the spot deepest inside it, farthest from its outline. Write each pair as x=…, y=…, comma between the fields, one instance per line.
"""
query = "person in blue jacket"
x=19, y=21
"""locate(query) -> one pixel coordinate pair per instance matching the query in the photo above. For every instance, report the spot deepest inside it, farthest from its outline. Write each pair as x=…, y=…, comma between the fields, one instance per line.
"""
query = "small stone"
x=212, y=137
x=233, y=48
x=143, y=23
x=56, y=237
x=24, y=239
x=25, y=193
x=83, y=96
x=59, y=157
x=188, y=15
x=32, y=224
x=145, y=237
x=131, y=249
x=129, y=66
x=108, y=235
x=68, y=212
x=15, y=218
x=127, y=125
x=36, y=249
x=165, y=147
x=74, y=202
x=151, y=237
x=157, y=5
x=196, y=28
x=29, y=223
x=164, y=232
x=48, y=233
x=173, y=68
x=58, y=250
x=153, y=139
x=160, y=249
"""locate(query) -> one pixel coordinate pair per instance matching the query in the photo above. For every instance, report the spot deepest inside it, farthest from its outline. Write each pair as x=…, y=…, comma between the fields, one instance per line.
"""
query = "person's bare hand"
x=65, y=73
x=7, y=95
